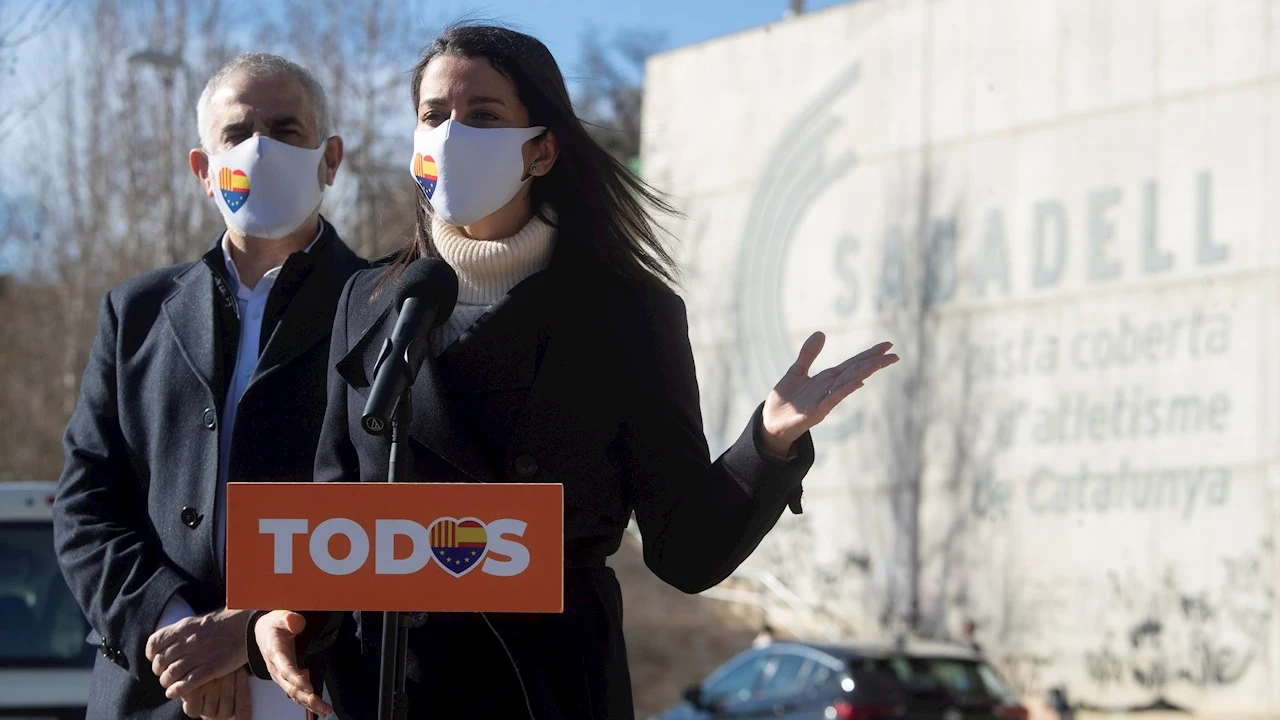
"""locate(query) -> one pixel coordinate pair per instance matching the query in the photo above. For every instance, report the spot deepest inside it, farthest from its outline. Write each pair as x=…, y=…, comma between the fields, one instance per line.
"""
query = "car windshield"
x=961, y=681
x=965, y=682
x=39, y=620
x=995, y=684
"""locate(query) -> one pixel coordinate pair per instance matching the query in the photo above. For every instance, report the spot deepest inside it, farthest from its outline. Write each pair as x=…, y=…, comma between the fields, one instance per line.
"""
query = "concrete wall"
x=1092, y=181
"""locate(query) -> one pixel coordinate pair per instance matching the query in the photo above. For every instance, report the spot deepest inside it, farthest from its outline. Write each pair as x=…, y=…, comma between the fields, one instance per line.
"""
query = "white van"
x=45, y=663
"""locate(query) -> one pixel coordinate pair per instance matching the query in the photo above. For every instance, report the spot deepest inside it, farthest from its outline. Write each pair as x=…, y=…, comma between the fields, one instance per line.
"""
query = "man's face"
x=275, y=107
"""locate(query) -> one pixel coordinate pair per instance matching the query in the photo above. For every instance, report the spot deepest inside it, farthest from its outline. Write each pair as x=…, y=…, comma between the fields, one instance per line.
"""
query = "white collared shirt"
x=269, y=701
x=252, y=304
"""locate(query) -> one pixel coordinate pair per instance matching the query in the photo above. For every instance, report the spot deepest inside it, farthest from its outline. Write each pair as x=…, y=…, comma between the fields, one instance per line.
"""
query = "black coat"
x=579, y=379
x=134, y=518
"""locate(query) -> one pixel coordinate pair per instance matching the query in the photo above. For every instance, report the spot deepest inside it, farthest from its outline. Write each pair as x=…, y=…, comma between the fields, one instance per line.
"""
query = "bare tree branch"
x=612, y=93
x=14, y=35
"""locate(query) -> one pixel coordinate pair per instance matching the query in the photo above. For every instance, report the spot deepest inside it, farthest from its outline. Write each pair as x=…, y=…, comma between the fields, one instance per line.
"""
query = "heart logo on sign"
x=458, y=545
x=426, y=173
x=234, y=185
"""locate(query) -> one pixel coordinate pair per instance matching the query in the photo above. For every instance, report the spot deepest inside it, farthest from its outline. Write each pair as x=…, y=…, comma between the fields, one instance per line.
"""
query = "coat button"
x=190, y=517
x=526, y=466
x=210, y=419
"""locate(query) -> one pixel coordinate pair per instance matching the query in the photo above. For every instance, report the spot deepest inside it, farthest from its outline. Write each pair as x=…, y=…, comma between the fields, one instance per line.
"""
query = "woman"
x=566, y=360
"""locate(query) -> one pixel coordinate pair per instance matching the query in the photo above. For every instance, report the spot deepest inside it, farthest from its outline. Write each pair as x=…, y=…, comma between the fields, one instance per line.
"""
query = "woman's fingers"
x=867, y=367
x=808, y=353
x=304, y=695
x=853, y=377
x=296, y=684
x=294, y=623
x=276, y=633
x=284, y=671
x=813, y=346
x=878, y=349
x=871, y=355
x=312, y=700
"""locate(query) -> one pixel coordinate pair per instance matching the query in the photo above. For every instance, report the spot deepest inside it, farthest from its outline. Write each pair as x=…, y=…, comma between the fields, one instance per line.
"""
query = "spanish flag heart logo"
x=459, y=545
x=426, y=173
x=234, y=185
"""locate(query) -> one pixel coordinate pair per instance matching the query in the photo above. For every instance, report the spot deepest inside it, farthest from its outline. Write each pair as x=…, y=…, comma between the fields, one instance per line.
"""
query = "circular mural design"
x=796, y=175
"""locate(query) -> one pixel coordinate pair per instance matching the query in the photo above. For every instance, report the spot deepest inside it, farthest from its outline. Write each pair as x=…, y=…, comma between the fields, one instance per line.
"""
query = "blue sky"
x=561, y=23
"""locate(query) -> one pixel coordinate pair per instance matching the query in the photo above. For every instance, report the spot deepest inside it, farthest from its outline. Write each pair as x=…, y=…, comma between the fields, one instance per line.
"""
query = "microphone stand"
x=393, y=701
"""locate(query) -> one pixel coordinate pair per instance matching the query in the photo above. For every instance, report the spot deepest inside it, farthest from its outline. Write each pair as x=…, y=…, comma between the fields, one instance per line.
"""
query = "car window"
x=785, y=674
x=875, y=686
x=819, y=675
x=40, y=622
x=736, y=684
x=914, y=674
x=959, y=678
x=956, y=677
x=994, y=684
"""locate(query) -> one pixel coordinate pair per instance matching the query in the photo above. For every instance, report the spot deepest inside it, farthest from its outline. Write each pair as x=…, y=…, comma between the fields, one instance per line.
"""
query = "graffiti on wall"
x=1163, y=633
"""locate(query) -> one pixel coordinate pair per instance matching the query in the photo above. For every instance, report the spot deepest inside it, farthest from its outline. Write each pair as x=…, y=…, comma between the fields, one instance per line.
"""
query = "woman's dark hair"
x=599, y=205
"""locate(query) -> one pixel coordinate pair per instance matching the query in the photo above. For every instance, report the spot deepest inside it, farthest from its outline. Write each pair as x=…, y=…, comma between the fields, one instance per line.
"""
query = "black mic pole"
x=392, y=698
x=429, y=290
x=393, y=701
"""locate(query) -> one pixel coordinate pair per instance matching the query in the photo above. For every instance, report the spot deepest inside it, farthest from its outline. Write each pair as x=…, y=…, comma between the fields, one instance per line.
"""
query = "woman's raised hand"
x=799, y=402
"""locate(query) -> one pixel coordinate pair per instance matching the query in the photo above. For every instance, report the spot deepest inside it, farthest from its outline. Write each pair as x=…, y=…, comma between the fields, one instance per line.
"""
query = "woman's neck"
x=488, y=269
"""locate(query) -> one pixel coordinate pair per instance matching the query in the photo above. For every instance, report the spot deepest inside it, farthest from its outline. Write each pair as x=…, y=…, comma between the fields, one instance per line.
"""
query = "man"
x=202, y=374
x=970, y=630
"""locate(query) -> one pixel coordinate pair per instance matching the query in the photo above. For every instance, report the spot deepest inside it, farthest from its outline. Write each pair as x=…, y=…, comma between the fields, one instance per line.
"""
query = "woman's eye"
x=432, y=118
x=483, y=116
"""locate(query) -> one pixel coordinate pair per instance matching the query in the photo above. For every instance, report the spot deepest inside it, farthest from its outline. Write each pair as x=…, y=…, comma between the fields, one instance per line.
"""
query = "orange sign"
x=442, y=547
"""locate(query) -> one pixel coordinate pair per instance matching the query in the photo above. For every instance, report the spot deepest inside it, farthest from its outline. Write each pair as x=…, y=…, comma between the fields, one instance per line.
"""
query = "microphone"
x=428, y=290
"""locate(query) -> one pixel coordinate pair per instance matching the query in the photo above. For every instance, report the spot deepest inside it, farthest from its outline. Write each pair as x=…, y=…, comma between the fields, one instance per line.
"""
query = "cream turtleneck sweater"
x=487, y=270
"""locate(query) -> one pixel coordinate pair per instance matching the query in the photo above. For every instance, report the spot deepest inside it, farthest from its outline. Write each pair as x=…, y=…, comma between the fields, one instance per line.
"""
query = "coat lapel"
x=545, y=396
x=434, y=425
x=501, y=351
x=192, y=317
x=308, y=318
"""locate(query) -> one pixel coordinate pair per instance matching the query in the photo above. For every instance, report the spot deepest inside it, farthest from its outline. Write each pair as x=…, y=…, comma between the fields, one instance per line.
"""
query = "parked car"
x=812, y=681
x=45, y=663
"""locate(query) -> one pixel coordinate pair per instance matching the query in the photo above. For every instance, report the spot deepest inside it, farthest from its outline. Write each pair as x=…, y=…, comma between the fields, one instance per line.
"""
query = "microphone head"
x=430, y=280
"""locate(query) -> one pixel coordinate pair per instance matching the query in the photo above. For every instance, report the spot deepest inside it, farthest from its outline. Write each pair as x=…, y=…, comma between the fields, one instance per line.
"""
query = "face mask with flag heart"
x=468, y=173
x=265, y=188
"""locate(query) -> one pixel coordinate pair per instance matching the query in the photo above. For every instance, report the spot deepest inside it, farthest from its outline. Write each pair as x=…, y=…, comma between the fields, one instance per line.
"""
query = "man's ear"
x=332, y=159
x=199, y=163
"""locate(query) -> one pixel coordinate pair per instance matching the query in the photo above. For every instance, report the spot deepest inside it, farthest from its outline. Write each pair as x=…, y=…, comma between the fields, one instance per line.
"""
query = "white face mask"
x=266, y=188
x=466, y=173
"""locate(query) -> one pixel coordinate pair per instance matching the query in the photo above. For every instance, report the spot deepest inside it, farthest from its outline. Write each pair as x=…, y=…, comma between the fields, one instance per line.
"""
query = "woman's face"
x=469, y=91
